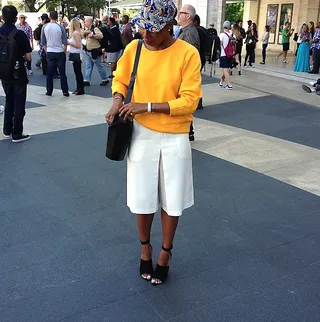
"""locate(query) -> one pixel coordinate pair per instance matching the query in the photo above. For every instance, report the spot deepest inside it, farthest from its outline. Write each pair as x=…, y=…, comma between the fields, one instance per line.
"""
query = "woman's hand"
x=132, y=109
x=114, y=110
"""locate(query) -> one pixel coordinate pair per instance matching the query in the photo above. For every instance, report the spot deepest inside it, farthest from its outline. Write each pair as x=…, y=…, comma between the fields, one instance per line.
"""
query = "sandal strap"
x=145, y=242
x=167, y=249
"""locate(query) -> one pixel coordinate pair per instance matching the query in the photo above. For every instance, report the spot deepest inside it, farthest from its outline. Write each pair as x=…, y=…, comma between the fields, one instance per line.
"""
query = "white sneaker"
x=30, y=72
x=1, y=109
x=285, y=61
x=228, y=87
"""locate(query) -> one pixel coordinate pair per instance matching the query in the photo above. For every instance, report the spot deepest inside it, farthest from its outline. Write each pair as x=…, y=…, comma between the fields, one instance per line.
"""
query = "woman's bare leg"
x=237, y=57
x=169, y=226
x=222, y=78
x=144, y=228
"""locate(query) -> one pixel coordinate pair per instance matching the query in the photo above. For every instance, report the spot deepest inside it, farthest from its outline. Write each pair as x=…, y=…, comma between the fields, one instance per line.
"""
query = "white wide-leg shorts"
x=159, y=172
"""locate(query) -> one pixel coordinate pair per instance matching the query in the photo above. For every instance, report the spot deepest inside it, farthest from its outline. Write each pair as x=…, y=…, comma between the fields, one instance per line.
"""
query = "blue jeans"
x=264, y=52
x=55, y=60
x=89, y=66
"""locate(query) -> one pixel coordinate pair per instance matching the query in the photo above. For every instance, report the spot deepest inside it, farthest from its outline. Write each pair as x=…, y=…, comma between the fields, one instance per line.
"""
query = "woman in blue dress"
x=302, y=63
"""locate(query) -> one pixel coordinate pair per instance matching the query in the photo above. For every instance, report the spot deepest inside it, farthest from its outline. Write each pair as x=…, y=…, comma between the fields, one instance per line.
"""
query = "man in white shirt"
x=54, y=42
x=225, y=62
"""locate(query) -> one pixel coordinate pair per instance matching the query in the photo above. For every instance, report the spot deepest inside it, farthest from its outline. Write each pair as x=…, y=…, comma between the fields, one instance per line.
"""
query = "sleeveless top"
x=74, y=49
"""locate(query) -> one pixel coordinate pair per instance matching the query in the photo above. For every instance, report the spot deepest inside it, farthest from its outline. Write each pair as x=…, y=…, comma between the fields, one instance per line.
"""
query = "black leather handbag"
x=120, y=131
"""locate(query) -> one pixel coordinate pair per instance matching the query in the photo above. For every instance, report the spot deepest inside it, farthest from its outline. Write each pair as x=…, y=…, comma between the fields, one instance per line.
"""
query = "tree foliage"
x=71, y=6
x=234, y=11
x=19, y=5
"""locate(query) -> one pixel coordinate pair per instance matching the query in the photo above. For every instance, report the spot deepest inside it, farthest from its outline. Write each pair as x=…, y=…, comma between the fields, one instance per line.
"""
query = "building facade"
x=272, y=12
x=276, y=13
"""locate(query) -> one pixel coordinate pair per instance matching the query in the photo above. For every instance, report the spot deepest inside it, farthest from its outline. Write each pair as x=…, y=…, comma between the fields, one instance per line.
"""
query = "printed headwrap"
x=154, y=15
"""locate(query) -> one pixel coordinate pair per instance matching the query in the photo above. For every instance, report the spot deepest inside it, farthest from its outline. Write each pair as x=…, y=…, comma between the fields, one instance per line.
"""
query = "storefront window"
x=271, y=21
x=285, y=16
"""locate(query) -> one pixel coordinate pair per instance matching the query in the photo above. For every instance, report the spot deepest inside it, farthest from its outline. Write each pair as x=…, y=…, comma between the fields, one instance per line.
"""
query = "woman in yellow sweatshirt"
x=166, y=93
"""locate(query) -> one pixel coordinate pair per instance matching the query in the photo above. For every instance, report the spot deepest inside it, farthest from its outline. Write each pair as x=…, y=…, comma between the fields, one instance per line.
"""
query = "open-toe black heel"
x=146, y=267
x=161, y=272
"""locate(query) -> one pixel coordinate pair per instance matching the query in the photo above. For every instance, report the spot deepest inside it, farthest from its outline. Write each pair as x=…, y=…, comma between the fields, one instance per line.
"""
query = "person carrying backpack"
x=227, y=54
x=202, y=51
x=15, y=50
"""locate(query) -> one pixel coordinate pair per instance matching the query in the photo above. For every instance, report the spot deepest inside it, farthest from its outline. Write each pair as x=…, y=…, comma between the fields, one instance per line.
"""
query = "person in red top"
x=126, y=31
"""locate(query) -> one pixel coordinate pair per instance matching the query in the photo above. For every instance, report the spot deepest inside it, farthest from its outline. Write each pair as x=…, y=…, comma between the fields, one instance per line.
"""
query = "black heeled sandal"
x=146, y=267
x=161, y=272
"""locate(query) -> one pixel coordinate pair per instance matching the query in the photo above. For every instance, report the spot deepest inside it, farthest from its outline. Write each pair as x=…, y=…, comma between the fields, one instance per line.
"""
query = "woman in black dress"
x=251, y=42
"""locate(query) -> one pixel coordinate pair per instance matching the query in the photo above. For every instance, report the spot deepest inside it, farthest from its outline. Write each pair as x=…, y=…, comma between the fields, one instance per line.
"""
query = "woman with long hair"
x=159, y=164
x=312, y=30
x=302, y=63
x=265, y=42
x=237, y=35
x=251, y=41
x=76, y=52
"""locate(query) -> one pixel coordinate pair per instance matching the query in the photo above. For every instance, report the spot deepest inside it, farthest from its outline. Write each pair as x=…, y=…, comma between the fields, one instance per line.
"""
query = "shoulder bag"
x=120, y=131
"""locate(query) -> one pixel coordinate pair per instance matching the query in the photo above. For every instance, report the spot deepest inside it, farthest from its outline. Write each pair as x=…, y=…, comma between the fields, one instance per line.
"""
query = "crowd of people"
x=96, y=42
x=308, y=48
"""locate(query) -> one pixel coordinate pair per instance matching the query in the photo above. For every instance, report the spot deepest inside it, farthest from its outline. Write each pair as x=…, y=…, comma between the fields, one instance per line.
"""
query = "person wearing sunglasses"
x=189, y=33
x=26, y=28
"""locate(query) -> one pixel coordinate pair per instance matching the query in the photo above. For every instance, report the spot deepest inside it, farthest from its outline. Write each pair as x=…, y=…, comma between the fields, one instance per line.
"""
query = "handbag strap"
x=134, y=73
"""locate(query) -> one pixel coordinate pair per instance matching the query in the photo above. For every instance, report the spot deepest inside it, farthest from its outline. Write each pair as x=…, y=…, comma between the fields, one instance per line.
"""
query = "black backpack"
x=8, y=55
x=37, y=33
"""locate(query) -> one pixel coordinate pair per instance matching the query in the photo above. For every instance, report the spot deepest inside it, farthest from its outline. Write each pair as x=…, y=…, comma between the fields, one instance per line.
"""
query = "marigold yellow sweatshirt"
x=170, y=75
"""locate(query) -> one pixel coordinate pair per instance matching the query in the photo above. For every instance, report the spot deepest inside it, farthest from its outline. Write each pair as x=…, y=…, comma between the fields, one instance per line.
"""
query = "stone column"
x=216, y=13
x=250, y=12
x=209, y=11
x=313, y=10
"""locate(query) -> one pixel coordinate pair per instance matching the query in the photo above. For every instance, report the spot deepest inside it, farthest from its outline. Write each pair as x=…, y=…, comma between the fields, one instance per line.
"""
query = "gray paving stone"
x=53, y=302
x=308, y=315
x=306, y=249
x=249, y=306
x=271, y=115
x=40, y=250
x=186, y=294
x=136, y=310
x=295, y=292
x=288, y=230
x=64, y=213
x=19, y=227
x=58, y=271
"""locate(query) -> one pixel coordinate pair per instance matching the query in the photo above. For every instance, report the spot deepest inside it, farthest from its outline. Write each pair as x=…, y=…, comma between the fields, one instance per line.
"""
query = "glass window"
x=271, y=21
x=285, y=16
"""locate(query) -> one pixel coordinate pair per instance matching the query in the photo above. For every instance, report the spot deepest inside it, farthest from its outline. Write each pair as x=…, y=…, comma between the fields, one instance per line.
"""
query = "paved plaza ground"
x=249, y=250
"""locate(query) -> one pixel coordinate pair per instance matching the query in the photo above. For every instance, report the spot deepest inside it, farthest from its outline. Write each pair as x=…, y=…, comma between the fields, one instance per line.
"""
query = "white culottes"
x=159, y=172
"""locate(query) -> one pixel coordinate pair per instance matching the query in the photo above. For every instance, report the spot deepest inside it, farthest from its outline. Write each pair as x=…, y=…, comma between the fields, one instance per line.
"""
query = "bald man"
x=93, y=51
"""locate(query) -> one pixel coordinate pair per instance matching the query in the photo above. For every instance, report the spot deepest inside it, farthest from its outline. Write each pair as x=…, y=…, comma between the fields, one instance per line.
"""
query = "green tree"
x=19, y=5
x=83, y=6
x=234, y=11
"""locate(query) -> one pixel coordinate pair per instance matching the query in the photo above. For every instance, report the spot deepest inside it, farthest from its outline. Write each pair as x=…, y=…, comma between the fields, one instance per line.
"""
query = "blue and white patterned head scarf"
x=154, y=15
